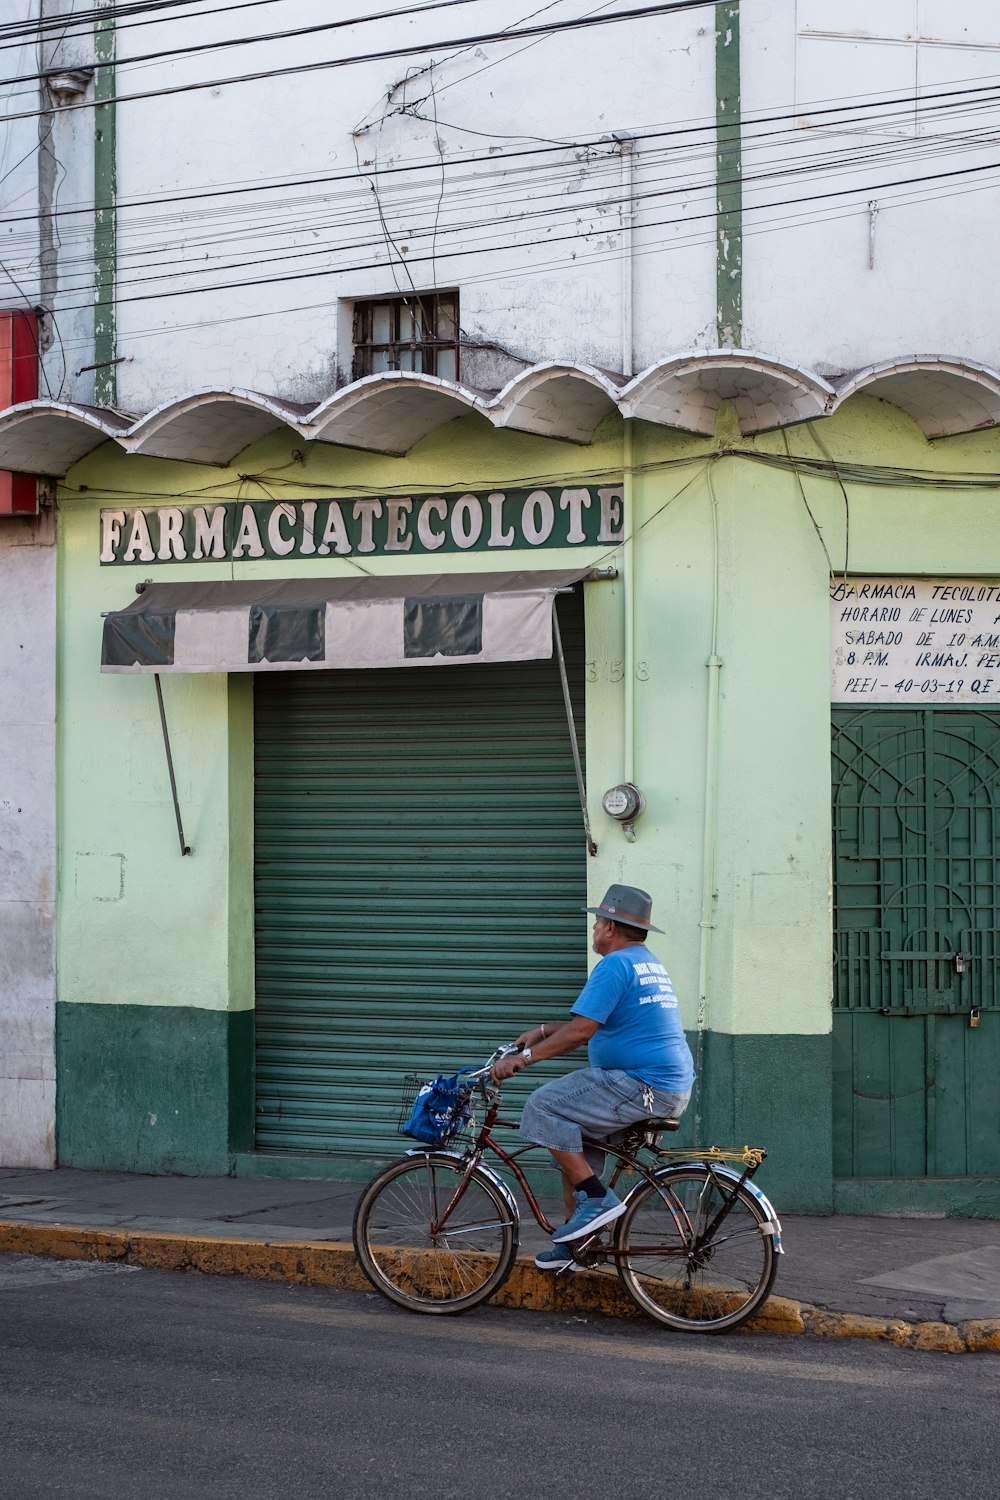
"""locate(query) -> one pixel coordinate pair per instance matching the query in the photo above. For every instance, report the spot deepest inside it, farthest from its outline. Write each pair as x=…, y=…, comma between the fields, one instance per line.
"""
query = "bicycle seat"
x=659, y=1124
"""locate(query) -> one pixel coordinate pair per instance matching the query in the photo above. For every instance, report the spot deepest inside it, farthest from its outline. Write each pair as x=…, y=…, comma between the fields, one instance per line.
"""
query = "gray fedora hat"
x=626, y=904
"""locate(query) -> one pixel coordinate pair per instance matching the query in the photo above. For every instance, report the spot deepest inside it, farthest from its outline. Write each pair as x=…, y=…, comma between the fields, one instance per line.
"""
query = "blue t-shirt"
x=631, y=995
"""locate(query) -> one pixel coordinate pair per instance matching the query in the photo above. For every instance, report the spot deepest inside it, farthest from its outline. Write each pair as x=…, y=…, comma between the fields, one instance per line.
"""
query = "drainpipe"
x=626, y=145
x=628, y=575
x=709, y=850
x=48, y=254
x=105, y=213
x=625, y=142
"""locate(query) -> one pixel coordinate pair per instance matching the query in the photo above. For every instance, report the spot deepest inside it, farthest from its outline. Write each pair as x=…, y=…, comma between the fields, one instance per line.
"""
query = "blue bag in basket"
x=440, y=1110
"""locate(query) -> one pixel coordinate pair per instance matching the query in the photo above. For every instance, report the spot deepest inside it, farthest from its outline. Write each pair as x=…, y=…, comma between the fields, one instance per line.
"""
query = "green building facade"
x=387, y=866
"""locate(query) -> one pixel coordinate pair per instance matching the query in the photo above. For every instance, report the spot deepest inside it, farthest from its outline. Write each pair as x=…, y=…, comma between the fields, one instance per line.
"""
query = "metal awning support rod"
x=185, y=848
x=574, y=745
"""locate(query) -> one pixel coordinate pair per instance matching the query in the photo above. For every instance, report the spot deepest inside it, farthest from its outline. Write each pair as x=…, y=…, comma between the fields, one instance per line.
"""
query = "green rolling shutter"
x=420, y=865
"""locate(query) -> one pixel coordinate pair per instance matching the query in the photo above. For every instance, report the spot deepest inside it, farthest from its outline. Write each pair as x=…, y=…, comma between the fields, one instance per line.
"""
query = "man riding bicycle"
x=640, y=1064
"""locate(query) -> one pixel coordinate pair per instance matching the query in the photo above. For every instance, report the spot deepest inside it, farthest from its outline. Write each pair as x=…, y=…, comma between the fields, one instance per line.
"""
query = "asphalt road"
x=117, y=1384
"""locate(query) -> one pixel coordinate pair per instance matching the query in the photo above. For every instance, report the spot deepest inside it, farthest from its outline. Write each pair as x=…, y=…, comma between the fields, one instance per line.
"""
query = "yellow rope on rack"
x=749, y=1156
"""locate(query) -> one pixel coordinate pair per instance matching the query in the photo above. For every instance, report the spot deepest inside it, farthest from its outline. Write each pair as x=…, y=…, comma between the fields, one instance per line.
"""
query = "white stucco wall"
x=500, y=176
x=526, y=287
x=27, y=842
x=503, y=180
x=811, y=290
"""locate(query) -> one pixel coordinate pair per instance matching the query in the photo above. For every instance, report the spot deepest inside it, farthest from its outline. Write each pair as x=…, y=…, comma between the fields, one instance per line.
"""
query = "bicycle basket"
x=434, y=1113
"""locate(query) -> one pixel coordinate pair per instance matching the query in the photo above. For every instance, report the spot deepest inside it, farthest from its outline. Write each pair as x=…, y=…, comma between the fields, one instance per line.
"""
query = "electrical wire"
x=645, y=12
x=173, y=53
x=118, y=16
x=481, y=189
x=498, y=160
x=572, y=235
x=449, y=228
x=508, y=56
x=843, y=491
x=772, y=171
x=492, y=205
x=703, y=237
x=884, y=476
x=809, y=510
x=35, y=30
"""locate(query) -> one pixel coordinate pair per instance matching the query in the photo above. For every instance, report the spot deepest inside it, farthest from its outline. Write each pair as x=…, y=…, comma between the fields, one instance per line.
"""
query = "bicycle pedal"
x=588, y=1254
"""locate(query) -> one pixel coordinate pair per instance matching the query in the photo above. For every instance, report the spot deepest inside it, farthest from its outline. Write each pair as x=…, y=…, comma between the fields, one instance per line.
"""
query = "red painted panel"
x=18, y=382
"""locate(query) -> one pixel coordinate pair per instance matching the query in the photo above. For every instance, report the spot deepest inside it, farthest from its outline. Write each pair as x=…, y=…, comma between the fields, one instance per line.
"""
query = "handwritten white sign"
x=915, y=640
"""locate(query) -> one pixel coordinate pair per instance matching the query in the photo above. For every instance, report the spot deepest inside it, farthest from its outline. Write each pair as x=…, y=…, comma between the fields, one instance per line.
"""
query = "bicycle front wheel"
x=417, y=1261
x=682, y=1272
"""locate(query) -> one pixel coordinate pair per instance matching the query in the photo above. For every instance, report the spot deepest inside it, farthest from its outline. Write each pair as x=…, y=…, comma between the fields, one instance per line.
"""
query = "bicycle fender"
x=772, y=1225
x=494, y=1177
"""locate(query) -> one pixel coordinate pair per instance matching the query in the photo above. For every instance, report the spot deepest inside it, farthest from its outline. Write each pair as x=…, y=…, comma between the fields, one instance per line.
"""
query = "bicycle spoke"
x=468, y=1228
x=426, y=1248
x=675, y=1272
x=749, y=1231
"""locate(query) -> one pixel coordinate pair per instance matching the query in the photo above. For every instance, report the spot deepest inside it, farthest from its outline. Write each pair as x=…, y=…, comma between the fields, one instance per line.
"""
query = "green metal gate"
x=420, y=866
x=916, y=1026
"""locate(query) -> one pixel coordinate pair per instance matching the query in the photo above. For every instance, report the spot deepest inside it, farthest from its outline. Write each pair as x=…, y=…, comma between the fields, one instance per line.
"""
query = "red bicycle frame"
x=625, y=1162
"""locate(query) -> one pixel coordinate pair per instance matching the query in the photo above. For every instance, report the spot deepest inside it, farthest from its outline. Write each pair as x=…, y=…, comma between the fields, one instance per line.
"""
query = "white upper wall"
x=543, y=226
x=889, y=249
x=18, y=167
x=46, y=166
x=498, y=174
x=502, y=150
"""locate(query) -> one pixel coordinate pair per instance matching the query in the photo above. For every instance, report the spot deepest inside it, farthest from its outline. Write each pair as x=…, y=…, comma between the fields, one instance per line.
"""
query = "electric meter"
x=624, y=802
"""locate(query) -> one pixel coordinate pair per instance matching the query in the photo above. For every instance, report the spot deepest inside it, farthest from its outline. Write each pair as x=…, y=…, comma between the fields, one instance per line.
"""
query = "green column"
x=105, y=192
x=728, y=177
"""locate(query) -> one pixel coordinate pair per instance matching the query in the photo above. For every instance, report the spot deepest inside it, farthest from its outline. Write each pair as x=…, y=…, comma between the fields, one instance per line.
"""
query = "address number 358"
x=614, y=671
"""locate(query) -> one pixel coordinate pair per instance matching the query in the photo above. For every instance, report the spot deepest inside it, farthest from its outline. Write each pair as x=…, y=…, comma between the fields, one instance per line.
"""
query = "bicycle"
x=696, y=1247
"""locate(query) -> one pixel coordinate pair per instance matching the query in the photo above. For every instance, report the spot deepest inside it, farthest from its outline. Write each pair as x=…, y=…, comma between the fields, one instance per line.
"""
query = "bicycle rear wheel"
x=463, y=1264
x=678, y=1273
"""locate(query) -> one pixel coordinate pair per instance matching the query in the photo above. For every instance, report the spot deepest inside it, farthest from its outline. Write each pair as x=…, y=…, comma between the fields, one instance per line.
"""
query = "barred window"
x=416, y=332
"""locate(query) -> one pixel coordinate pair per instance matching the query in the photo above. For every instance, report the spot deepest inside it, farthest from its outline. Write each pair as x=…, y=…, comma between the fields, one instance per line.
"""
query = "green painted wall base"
x=144, y=1088
x=775, y=1092
x=166, y=1089
x=931, y=1197
x=770, y=1091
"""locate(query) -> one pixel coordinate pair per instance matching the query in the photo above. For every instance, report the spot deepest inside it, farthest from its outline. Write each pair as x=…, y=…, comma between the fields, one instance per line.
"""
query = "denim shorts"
x=596, y=1102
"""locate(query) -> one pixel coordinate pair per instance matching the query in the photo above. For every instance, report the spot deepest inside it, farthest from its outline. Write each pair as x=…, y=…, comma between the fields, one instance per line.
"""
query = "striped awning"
x=292, y=624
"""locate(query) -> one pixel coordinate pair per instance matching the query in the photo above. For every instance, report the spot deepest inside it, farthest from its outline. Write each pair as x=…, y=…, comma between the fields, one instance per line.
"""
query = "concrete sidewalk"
x=922, y=1282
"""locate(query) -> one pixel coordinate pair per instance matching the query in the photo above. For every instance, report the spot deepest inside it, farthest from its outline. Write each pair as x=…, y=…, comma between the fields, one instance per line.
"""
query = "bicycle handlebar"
x=482, y=1076
x=506, y=1049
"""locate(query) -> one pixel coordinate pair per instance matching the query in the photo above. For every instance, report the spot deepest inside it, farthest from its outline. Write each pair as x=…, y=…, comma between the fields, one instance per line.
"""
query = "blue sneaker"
x=556, y=1259
x=589, y=1214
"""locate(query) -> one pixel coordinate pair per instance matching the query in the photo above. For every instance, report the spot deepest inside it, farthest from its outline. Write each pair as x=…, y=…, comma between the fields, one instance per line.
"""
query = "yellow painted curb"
x=314, y=1263
x=329, y=1263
